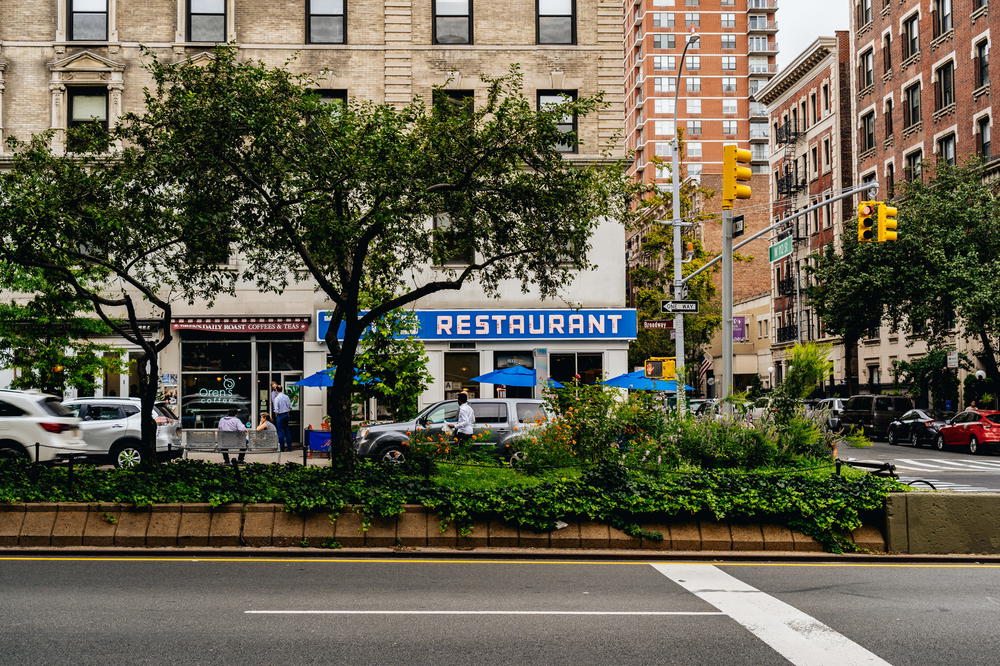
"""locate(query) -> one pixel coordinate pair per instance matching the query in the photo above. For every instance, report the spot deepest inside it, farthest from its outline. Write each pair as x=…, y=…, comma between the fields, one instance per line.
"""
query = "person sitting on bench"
x=232, y=423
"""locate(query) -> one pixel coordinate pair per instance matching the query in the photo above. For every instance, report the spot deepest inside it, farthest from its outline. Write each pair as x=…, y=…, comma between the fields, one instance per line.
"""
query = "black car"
x=918, y=426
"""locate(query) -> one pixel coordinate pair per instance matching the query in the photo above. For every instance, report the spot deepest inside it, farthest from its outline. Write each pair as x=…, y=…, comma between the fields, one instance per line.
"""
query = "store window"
x=508, y=359
x=565, y=367
x=459, y=369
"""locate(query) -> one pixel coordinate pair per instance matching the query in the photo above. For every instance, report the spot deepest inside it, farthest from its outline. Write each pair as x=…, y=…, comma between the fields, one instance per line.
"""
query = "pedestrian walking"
x=282, y=407
x=232, y=423
x=466, y=420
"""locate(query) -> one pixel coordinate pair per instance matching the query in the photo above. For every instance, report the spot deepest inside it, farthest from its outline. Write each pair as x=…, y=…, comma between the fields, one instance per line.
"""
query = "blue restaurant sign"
x=482, y=325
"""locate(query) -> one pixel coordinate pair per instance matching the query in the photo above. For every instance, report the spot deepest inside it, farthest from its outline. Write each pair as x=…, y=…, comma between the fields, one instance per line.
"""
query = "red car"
x=977, y=429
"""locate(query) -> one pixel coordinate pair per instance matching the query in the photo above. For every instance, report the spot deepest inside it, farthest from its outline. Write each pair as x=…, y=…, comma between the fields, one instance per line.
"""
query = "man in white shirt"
x=232, y=423
x=466, y=419
x=282, y=407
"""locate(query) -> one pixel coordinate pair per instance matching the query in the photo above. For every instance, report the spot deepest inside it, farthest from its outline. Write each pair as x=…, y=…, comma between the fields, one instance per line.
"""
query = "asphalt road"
x=204, y=611
x=951, y=469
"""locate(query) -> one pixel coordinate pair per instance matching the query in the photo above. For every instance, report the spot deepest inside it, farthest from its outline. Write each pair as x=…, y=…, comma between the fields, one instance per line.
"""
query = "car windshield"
x=940, y=414
x=164, y=410
x=54, y=407
x=995, y=418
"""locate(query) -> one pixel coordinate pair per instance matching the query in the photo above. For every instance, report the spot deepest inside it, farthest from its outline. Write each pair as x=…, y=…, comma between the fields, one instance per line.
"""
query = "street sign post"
x=679, y=306
x=780, y=250
x=657, y=324
x=953, y=359
x=738, y=226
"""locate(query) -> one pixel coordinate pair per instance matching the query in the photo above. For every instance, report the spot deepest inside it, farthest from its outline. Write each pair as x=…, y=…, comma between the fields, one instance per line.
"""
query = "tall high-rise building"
x=733, y=58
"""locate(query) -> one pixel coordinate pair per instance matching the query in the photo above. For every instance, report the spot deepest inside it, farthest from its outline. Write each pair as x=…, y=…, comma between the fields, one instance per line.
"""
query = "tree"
x=99, y=227
x=930, y=375
x=393, y=365
x=46, y=335
x=364, y=198
x=944, y=267
x=848, y=296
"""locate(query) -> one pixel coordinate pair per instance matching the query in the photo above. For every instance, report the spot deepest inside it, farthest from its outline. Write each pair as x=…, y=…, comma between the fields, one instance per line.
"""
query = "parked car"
x=28, y=418
x=918, y=427
x=504, y=419
x=874, y=413
x=976, y=429
x=112, y=429
x=833, y=408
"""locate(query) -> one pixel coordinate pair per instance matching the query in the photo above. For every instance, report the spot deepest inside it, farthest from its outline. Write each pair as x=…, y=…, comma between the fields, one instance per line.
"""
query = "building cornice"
x=796, y=70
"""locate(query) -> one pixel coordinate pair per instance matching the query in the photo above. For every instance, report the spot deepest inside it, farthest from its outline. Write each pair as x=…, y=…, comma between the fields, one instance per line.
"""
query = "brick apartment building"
x=65, y=61
x=734, y=57
x=809, y=104
x=921, y=78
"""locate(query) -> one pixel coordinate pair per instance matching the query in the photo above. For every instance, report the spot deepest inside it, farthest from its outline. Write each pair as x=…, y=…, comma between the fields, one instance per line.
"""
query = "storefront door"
x=286, y=380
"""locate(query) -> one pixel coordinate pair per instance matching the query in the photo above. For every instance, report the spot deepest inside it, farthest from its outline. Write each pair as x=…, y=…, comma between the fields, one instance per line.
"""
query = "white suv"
x=36, y=426
x=112, y=428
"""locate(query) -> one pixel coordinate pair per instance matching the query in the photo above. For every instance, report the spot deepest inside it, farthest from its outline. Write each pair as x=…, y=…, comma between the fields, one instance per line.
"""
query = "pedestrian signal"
x=661, y=368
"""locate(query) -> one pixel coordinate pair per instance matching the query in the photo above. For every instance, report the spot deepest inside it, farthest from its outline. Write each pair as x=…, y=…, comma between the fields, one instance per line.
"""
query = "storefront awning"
x=242, y=324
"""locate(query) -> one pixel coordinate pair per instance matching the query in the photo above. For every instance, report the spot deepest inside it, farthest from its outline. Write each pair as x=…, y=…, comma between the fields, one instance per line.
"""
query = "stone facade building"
x=63, y=62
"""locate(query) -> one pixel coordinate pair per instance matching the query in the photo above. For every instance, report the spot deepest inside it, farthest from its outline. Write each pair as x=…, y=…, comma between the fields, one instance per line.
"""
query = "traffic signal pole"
x=727, y=303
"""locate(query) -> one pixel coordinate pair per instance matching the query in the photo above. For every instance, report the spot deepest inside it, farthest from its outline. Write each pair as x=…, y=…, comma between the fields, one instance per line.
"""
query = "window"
x=530, y=412
x=944, y=86
x=946, y=148
x=729, y=127
x=694, y=171
x=566, y=366
x=7, y=409
x=913, y=161
x=758, y=44
x=868, y=131
x=815, y=110
x=442, y=413
x=103, y=413
x=814, y=154
x=729, y=84
x=663, y=20
x=729, y=106
x=729, y=41
x=664, y=149
x=694, y=127
x=911, y=106
x=454, y=102
x=728, y=63
x=728, y=20
x=326, y=22
x=663, y=105
x=664, y=83
x=826, y=154
x=693, y=62
x=663, y=127
x=758, y=22
x=452, y=21
x=890, y=179
x=88, y=20
x=490, y=412
x=694, y=84
x=692, y=20
x=887, y=54
x=864, y=12
x=866, y=71
x=911, y=36
x=982, y=63
x=664, y=41
x=206, y=20
x=753, y=85
x=556, y=21
x=86, y=105
x=983, y=132
x=330, y=96
x=694, y=149
x=451, y=246
x=826, y=97
x=942, y=17
x=666, y=63
x=693, y=106
x=888, y=118
x=567, y=123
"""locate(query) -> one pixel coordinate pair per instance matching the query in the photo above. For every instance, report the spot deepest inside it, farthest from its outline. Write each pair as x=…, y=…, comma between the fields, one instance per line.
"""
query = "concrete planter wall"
x=264, y=525
x=943, y=523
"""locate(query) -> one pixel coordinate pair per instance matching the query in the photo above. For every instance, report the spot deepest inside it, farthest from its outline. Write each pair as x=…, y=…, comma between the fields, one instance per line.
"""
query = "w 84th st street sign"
x=780, y=250
x=679, y=306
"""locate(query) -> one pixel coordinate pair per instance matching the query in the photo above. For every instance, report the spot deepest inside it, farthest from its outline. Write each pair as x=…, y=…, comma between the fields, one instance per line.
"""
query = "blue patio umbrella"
x=324, y=378
x=638, y=380
x=515, y=375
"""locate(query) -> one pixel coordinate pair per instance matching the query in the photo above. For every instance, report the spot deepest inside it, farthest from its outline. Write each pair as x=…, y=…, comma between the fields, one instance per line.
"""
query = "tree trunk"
x=850, y=351
x=341, y=436
x=147, y=397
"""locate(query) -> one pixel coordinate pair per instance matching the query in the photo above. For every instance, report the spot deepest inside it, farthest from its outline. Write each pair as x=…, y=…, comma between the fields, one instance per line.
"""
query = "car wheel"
x=393, y=454
x=517, y=457
x=892, y=437
x=915, y=441
x=939, y=443
x=13, y=451
x=126, y=454
x=974, y=447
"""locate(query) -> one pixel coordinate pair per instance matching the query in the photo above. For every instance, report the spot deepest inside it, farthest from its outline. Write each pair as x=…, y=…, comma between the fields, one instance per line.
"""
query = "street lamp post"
x=675, y=169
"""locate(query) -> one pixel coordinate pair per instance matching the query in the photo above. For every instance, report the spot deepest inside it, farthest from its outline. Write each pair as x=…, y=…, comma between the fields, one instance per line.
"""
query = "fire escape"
x=790, y=182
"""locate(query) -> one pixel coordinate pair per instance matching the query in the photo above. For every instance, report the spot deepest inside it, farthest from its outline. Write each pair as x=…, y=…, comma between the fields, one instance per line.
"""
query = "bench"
x=228, y=442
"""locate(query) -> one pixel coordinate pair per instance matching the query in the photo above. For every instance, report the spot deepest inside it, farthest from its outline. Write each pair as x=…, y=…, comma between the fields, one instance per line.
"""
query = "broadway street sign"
x=657, y=324
x=679, y=306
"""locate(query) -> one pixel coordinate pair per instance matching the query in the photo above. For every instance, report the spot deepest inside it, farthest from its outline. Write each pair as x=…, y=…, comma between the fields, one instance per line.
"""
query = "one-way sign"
x=679, y=306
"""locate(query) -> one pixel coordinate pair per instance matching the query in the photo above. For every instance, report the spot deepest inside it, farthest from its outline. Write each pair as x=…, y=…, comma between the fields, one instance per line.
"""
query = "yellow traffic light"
x=734, y=173
x=867, y=214
x=661, y=367
x=887, y=223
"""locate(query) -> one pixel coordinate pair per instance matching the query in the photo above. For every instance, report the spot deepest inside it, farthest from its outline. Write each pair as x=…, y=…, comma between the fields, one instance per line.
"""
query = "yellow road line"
x=335, y=560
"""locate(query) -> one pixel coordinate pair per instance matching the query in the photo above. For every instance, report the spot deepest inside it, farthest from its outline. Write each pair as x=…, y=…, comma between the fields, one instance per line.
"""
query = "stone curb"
x=69, y=525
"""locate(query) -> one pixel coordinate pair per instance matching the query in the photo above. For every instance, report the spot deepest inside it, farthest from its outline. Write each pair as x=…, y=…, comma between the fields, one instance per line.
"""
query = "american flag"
x=706, y=365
